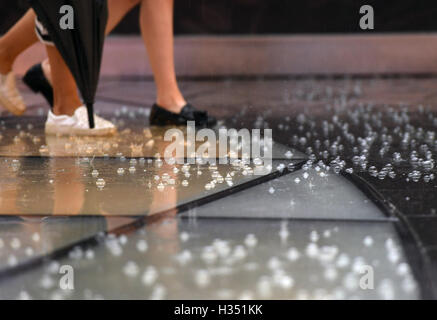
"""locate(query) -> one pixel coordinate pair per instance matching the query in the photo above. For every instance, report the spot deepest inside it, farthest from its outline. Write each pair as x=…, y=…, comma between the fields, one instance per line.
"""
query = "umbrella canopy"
x=82, y=46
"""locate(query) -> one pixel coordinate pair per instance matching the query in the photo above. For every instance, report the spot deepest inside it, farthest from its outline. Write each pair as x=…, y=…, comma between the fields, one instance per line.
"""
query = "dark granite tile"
x=432, y=270
x=425, y=229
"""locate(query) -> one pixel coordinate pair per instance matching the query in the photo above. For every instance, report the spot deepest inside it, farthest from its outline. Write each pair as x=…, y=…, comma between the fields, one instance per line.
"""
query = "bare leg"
x=69, y=190
x=66, y=103
x=66, y=99
x=156, y=23
x=117, y=10
x=20, y=37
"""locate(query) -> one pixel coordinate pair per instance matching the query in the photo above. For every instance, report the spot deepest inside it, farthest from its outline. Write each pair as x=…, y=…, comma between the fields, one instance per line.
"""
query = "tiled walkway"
x=365, y=198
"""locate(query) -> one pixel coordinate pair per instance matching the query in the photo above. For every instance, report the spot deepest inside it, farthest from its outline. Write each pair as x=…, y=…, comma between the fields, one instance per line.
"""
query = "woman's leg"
x=69, y=116
x=65, y=96
x=157, y=30
x=156, y=21
x=117, y=10
x=20, y=37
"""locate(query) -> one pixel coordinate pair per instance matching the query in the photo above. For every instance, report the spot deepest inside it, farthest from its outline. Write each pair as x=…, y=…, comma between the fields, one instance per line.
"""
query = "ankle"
x=60, y=111
x=6, y=61
x=65, y=109
x=45, y=65
x=171, y=103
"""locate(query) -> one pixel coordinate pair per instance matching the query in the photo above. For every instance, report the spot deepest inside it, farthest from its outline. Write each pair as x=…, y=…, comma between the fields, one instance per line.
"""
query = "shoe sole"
x=55, y=130
x=10, y=106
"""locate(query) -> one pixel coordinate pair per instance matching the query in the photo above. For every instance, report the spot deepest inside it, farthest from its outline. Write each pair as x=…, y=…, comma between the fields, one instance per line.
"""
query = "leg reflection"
x=68, y=189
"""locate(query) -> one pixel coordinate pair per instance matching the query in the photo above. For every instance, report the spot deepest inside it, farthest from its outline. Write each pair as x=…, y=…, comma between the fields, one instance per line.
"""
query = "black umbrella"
x=82, y=46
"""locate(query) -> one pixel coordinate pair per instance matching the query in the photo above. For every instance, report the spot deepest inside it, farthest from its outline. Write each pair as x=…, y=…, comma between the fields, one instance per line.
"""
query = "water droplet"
x=368, y=241
x=293, y=254
x=100, y=183
x=36, y=237
x=150, y=276
x=43, y=149
x=184, y=236
x=131, y=269
x=251, y=240
x=202, y=278
x=15, y=243
x=142, y=245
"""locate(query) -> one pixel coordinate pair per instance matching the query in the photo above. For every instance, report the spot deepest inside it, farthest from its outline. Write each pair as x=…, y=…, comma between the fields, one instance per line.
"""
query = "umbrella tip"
x=90, y=109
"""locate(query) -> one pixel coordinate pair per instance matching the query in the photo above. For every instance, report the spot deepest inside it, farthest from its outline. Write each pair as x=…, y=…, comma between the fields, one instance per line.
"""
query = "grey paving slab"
x=230, y=259
x=304, y=194
x=25, y=239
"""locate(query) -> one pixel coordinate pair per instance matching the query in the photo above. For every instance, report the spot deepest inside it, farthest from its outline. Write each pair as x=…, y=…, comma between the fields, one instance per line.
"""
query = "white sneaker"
x=78, y=124
x=10, y=98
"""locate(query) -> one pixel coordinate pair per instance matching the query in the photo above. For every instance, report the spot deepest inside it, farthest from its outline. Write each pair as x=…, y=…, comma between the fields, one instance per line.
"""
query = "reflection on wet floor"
x=115, y=187
x=230, y=259
x=44, y=191
x=123, y=175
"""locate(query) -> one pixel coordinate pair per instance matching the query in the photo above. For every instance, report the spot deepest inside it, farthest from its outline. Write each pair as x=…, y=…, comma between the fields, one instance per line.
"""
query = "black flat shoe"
x=38, y=83
x=162, y=117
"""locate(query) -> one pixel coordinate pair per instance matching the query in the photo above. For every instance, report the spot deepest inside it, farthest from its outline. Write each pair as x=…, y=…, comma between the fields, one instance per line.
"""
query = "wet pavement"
x=352, y=185
x=230, y=259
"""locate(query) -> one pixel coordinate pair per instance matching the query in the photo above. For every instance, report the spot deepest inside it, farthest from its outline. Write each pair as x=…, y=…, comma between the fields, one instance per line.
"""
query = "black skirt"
x=42, y=33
